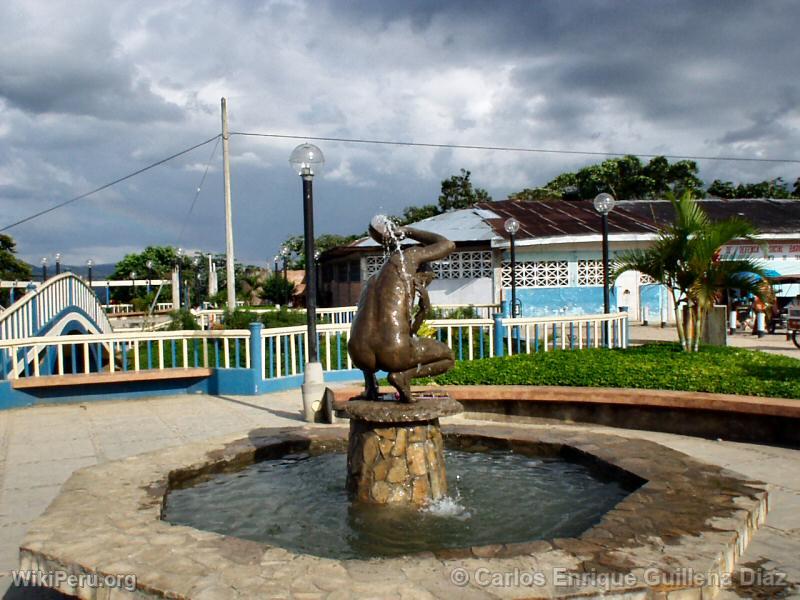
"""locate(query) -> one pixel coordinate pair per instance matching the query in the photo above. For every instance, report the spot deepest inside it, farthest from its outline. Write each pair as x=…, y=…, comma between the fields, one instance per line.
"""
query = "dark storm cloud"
x=91, y=91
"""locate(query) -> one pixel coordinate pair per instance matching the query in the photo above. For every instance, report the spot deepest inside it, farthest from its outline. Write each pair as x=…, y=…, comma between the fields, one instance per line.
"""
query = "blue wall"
x=544, y=302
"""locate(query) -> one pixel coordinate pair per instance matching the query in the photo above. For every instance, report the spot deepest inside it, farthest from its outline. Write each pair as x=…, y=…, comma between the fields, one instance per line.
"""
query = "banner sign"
x=773, y=250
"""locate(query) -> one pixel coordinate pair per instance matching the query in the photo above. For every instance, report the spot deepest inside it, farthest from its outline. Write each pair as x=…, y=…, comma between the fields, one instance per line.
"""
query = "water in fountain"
x=299, y=503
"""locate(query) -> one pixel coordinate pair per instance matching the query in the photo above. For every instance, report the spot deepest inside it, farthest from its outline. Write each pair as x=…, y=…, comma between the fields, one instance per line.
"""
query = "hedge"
x=652, y=366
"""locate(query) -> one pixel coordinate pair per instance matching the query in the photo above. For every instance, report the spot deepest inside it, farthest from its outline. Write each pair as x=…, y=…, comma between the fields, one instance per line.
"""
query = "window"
x=590, y=272
x=458, y=265
x=355, y=271
x=543, y=273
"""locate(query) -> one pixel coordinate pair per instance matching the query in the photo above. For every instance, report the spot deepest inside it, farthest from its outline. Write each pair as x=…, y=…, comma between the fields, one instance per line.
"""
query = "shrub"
x=283, y=318
x=182, y=320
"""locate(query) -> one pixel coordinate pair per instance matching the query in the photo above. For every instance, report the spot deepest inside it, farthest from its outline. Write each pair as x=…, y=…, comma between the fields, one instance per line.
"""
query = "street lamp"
x=149, y=265
x=275, y=259
x=58, y=263
x=512, y=227
x=307, y=160
x=178, y=261
x=44, y=269
x=604, y=204
x=89, y=265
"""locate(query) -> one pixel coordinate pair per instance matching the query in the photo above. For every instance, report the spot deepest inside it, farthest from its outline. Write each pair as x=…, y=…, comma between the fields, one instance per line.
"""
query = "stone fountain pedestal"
x=395, y=452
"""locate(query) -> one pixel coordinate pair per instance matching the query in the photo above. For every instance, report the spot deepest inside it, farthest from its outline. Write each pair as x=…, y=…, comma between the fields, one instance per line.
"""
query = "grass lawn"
x=652, y=366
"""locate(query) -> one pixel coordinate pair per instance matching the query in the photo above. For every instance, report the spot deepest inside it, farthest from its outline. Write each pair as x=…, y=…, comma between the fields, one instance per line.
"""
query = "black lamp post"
x=512, y=227
x=89, y=265
x=58, y=263
x=306, y=159
x=604, y=204
x=44, y=269
x=275, y=265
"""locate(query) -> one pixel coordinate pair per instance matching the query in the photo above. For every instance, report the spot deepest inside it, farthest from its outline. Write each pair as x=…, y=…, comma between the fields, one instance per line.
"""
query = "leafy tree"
x=412, y=214
x=536, y=194
x=722, y=189
x=458, y=192
x=296, y=244
x=626, y=178
x=11, y=268
x=685, y=259
x=277, y=291
x=796, y=190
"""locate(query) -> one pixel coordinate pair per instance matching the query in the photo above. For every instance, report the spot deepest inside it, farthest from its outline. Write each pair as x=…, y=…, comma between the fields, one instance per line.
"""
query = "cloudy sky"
x=92, y=91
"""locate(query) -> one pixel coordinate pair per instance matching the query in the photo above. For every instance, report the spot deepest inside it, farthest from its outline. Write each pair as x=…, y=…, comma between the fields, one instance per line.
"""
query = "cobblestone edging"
x=689, y=520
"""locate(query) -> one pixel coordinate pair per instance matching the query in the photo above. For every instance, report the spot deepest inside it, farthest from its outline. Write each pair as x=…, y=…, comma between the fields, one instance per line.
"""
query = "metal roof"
x=567, y=218
x=578, y=217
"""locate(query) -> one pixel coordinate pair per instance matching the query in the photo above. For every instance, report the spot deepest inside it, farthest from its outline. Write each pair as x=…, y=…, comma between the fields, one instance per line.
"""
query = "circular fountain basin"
x=687, y=517
x=299, y=502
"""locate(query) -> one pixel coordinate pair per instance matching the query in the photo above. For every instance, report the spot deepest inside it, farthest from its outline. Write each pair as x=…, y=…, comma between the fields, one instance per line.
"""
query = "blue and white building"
x=559, y=254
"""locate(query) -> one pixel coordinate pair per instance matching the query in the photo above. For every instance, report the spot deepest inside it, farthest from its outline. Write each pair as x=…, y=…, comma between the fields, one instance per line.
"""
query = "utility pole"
x=226, y=169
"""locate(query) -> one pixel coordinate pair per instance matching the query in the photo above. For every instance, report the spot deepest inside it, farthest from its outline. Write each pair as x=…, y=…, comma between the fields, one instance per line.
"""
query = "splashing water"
x=389, y=229
x=447, y=506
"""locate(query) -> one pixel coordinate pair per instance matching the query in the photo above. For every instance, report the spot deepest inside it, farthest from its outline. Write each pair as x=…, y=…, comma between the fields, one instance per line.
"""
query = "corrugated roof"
x=562, y=218
x=484, y=221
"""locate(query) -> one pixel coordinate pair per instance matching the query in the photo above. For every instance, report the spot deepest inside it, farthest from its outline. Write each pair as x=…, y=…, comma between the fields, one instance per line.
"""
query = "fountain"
x=395, y=452
x=267, y=515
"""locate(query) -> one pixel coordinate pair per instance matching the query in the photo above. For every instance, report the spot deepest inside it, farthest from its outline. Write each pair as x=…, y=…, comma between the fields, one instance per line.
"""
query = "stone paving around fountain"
x=40, y=447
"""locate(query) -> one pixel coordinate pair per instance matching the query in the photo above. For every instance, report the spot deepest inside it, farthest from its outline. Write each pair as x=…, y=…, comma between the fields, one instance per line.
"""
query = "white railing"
x=53, y=300
x=284, y=350
x=117, y=309
x=562, y=333
x=482, y=311
x=124, y=352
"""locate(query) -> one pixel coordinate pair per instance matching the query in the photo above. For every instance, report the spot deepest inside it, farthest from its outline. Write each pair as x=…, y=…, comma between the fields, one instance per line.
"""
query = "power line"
x=509, y=148
x=108, y=185
x=197, y=192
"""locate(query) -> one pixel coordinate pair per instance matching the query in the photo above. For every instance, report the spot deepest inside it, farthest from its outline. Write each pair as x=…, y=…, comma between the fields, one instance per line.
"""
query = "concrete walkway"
x=41, y=446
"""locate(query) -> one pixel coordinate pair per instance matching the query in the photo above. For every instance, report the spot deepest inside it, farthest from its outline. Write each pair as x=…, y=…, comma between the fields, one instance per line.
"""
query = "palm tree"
x=685, y=259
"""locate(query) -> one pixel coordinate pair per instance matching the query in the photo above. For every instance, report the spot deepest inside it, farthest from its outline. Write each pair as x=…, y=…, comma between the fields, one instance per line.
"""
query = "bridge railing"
x=41, y=308
x=124, y=352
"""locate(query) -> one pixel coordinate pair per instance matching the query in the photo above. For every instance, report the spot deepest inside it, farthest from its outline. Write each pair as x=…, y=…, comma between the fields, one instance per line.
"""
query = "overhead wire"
x=108, y=185
x=197, y=193
x=508, y=148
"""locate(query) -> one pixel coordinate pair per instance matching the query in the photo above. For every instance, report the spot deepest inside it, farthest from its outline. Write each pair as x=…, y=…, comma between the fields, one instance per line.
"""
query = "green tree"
x=11, y=268
x=627, y=177
x=722, y=189
x=458, y=192
x=796, y=190
x=412, y=214
x=296, y=244
x=685, y=259
x=536, y=194
x=277, y=291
